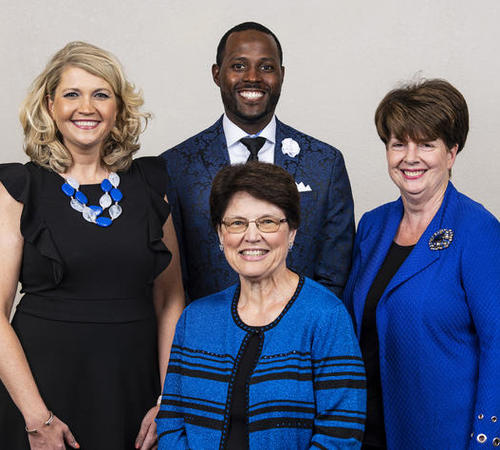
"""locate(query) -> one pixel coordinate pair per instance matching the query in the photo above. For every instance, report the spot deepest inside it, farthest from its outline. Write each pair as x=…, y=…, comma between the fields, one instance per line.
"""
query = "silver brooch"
x=441, y=239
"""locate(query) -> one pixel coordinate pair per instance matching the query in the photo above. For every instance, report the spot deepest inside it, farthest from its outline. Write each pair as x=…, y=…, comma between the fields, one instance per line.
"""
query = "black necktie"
x=253, y=145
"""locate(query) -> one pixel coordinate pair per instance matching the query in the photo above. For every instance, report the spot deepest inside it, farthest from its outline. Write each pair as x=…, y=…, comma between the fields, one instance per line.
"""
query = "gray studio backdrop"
x=341, y=57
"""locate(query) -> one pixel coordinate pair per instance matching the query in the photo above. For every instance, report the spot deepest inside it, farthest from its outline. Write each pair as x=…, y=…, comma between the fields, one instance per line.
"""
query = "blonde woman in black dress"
x=87, y=232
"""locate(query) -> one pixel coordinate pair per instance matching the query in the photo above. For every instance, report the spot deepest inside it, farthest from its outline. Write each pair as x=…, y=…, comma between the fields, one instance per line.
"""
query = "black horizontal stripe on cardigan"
x=337, y=384
x=340, y=374
x=300, y=402
x=282, y=376
x=192, y=405
x=199, y=366
x=336, y=358
x=353, y=364
x=341, y=418
x=282, y=408
x=268, y=369
x=170, y=431
x=200, y=352
x=192, y=419
x=307, y=376
x=273, y=359
x=283, y=355
x=280, y=422
x=198, y=374
x=340, y=432
x=186, y=397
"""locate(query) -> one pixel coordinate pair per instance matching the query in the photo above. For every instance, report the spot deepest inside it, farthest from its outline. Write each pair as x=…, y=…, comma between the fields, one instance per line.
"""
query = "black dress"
x=86, y=321
x=374, y=437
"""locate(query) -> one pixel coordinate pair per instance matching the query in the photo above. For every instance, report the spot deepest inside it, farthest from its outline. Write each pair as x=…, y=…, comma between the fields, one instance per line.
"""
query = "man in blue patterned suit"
x=249, y=73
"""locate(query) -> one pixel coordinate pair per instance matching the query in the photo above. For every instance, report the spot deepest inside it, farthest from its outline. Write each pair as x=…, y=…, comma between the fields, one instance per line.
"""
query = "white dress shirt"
x=238, y=153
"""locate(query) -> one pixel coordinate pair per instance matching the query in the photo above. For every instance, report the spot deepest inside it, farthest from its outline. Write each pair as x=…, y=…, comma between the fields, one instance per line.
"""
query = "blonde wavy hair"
x=42, y=140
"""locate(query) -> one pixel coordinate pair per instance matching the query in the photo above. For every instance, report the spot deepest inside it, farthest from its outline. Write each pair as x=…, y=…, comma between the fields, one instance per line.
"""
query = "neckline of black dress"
x=402, y=247
x=261, y=329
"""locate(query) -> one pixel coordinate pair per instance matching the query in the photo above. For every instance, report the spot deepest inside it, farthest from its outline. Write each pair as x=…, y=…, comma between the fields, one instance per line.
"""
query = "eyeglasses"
x=266, y=224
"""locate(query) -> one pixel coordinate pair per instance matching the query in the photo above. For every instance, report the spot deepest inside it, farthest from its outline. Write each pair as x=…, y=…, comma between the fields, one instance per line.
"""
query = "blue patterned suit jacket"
x=437, y=324
x=323, y=245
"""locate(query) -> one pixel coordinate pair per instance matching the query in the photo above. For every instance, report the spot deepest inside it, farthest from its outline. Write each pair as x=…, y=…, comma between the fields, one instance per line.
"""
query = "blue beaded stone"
x=116, y=195
x=103, y=221
x=106, y=185
x=67, y=189
x=81, y=197
x=96, y=208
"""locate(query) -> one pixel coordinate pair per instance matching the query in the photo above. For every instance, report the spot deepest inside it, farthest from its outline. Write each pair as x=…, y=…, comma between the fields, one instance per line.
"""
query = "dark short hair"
x=422, y=111
x=263, y=181
x=244, y=27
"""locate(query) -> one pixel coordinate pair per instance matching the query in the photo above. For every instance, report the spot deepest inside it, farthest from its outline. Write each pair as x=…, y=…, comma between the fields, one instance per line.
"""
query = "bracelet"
x=46, y=423
x=158, y=401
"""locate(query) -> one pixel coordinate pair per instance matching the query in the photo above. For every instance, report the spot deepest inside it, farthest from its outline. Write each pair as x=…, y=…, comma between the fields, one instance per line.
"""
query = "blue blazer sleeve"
x=348, y=297
x=337, y=234
x=481, y=282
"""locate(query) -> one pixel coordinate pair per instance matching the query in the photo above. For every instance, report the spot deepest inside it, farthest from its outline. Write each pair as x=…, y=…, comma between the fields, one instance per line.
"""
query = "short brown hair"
x=43, y=142
x=263, y=181
x=425, y=110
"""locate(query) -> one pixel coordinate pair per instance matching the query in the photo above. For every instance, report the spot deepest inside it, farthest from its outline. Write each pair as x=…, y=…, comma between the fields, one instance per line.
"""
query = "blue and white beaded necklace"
x=92, y=213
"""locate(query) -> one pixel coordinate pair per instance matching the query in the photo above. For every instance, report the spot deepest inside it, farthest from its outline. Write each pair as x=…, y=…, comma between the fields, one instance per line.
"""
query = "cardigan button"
x=481, y=438
x=480, y=416
x=496, y=442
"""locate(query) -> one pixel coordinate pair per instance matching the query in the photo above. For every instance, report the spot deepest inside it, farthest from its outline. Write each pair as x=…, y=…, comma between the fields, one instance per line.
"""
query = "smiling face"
x=250, y=79
x=84, y=109
x=253, y=254
x=420, y=169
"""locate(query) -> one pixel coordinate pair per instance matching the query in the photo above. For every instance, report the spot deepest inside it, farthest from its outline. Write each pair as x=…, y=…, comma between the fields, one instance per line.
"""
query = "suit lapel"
x=422, y=256
x=280, y=159
x=213, y=149
x=215, y=156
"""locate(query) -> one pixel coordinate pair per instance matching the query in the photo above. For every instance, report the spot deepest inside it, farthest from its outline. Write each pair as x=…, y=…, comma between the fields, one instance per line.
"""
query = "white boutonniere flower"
x=290, y=147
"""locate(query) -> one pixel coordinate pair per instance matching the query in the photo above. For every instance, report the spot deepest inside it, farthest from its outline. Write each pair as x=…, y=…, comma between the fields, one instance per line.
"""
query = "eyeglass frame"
x=255, y=221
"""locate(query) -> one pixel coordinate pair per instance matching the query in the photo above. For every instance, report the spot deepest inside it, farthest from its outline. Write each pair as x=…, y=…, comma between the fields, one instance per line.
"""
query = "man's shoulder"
x=193, y=143
x=304, y=140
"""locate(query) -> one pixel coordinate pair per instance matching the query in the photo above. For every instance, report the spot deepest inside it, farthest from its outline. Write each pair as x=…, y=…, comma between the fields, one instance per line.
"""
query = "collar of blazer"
x=374, y=248
x=215, y=156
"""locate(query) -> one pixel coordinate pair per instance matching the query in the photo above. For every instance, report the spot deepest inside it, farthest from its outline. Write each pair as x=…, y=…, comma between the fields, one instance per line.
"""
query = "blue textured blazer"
x=437, y=325
x=323, y=245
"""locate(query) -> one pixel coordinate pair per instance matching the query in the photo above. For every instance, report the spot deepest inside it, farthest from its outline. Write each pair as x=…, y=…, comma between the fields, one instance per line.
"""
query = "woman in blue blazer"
x=424, y=290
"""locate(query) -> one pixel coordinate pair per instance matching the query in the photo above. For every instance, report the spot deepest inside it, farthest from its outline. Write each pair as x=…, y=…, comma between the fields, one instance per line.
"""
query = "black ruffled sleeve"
x=19, y=181
x=15, y=178
x=154, y=174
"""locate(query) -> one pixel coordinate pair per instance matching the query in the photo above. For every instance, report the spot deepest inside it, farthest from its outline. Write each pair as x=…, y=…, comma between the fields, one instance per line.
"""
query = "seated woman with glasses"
x=271, y=362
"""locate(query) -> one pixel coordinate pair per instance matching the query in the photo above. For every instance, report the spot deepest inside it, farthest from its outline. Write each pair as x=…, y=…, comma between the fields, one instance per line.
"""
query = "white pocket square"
x=301, y=187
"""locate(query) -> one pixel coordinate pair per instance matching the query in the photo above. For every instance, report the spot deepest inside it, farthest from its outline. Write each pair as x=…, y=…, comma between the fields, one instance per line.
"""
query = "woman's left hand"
x=147, y=438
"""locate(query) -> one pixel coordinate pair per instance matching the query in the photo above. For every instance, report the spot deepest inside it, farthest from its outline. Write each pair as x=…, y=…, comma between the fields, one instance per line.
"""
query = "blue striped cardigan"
x=307, y=389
